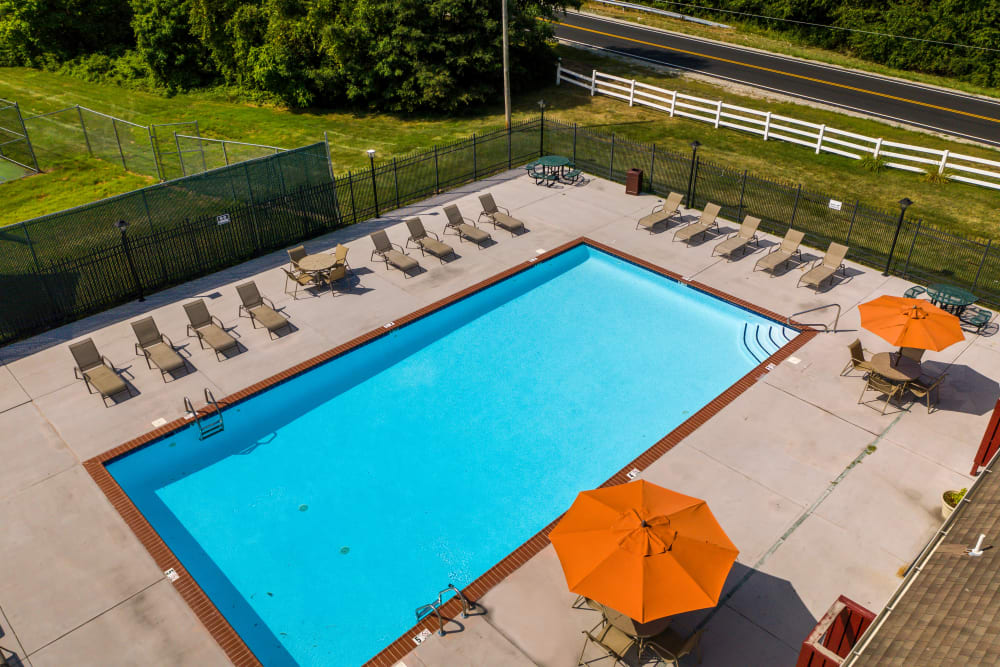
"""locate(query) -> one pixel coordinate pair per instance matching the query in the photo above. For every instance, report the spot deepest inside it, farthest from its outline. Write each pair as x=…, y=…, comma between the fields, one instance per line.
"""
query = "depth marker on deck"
x=157, y=423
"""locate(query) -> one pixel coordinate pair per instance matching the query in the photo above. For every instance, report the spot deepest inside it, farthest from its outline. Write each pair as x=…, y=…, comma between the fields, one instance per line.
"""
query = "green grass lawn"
x=10, y=171
x=958, y=208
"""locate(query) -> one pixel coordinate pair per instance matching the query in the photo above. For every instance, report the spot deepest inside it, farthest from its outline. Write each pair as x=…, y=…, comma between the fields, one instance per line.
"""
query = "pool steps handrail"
x=208, y=425
x=826, y=329
x=433, y=607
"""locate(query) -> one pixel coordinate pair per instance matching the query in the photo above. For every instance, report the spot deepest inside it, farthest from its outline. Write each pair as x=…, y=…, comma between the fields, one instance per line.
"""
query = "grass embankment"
x=746, y=34
x=961, y=209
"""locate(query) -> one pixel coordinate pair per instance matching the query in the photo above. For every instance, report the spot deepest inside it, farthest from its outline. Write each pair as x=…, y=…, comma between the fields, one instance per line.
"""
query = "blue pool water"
x=335, y=504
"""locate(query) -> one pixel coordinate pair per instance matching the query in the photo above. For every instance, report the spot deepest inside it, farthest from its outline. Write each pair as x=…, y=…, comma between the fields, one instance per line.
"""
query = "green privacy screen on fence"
x=65, y=265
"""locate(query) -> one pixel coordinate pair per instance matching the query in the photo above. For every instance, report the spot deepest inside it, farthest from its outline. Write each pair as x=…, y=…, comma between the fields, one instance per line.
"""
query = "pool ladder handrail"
x=206, y=427
x=826, y=329
x=426, y=610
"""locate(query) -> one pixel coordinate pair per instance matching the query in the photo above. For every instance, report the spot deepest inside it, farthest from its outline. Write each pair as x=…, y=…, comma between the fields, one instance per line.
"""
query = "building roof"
x=947, y=610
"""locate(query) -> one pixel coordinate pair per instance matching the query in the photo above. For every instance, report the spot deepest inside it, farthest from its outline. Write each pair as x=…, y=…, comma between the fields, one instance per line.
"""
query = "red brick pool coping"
x=235, y=648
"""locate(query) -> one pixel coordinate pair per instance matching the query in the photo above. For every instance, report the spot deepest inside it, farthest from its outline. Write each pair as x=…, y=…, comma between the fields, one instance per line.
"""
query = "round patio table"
x=318, y=262
x=895, y=367
x=553, y=162
x=950, y=297
x=640, y=631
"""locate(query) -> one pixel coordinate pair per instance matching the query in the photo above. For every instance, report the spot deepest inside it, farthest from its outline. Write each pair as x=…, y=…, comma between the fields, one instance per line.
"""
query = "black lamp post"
x=694, y=156
x=371, y=160
x=122, y=226
x=541, y=132
x=903, y=204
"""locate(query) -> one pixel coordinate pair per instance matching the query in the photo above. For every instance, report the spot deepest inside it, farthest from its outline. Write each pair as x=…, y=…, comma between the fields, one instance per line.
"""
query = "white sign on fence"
x=222, y=219
x=835, y=205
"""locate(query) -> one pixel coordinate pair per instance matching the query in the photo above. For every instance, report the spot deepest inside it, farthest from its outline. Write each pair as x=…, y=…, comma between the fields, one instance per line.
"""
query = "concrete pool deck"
x=778, y=466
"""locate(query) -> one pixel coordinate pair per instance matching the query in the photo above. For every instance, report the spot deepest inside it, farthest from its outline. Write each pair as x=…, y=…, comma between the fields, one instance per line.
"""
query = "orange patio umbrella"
x=643, y=550
x=911, y=322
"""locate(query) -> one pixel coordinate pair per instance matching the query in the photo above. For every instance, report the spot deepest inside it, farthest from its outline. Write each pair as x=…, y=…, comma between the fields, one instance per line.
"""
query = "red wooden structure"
x=991, y=441
x=835, y=634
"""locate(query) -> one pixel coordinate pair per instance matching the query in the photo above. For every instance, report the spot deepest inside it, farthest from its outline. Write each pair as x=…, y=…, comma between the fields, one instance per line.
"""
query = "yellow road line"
x=778, y=71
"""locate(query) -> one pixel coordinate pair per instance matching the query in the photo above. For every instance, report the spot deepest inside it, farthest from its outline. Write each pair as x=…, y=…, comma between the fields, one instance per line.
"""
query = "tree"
x=164, y=40
x=37, y=32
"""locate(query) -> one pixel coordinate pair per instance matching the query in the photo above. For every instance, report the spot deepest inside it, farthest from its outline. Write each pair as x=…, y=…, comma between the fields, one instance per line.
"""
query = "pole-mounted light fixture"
x=904, y=204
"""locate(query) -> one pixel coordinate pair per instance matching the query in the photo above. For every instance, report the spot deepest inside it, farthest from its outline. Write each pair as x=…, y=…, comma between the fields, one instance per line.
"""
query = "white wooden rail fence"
x=772, y=126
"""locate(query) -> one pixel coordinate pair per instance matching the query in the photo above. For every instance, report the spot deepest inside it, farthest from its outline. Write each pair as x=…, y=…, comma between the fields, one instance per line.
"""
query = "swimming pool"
x=334, y=504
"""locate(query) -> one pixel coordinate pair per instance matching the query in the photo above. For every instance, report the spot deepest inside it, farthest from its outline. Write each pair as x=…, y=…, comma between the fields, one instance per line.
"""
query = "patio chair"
x=922, y=388
x=386, y=251
x=707, y=222
x=299, y=279
x=977, y=318
x=615, y=642
x=295, y=254
x=827, y=267
x=459, y=225
x=340, y=258
x=670, y=647
x=157, y=349
x=663, y=212
x=96, y=371
x=878, y=383
x=208, y=329
x=260, y=309
x=741, y=240
x=499, y=216
x=857, y=361
x=427, y=242
x=914, y=353
x=783, y=253
x=914, y=292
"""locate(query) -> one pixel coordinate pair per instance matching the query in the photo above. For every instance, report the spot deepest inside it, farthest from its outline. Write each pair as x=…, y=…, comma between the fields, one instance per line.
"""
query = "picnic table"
x=951, y=298
x=553, y=164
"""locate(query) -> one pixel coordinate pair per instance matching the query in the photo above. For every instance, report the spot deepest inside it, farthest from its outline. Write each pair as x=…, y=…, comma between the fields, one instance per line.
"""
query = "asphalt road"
x=948, y=112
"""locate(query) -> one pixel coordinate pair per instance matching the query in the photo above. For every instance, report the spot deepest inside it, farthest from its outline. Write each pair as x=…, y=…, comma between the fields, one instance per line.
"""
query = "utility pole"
x=506, y=65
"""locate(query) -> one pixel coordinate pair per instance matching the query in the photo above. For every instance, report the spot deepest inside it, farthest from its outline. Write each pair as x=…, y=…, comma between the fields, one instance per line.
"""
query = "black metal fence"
x=66, y=265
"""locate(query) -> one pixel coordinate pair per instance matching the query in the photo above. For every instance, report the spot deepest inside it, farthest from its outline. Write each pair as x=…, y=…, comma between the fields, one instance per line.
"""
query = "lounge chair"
x=611, y=639
x=779, y=255
x=260, y=309
x=662, y=213
x=459, y=225
x=300, y=279
x=827, y=267
x=96, y=371
x=427, y=242
x=878, y=383
x=746, y=235
x=158, y=350
x=295, y=254
x=922, y=388
x=385, y=251
x=707, y=222
x=670, y=647
x=499, y=216
x=208, y=329
x=858, y=361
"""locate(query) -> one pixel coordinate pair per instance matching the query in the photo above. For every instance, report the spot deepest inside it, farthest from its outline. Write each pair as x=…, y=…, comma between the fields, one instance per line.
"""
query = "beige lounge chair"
x=879, y=384
x=779, y=255
x=922, y=388
x=158, y=350
x=825, y=268
x=459, y=225
x=387, y=253
x=670, y=647
x=746, y=235
x=96, y=371
x=260, y=309
x=707, y=222
x=499, y=216
x=299, y=279
x=614, y=641
x=662, y=213
x=857, y=361
x=427, y=242
x=208, y=329
x=295, y=254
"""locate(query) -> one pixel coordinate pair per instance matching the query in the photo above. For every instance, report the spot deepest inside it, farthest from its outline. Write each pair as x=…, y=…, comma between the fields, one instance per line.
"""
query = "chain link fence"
x=66, y=265
x=15, y=146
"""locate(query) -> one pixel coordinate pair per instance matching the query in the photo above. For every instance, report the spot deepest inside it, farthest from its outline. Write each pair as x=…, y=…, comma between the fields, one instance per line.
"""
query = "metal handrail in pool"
x=425, y=610
x=206, y=428
x=826, y=329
